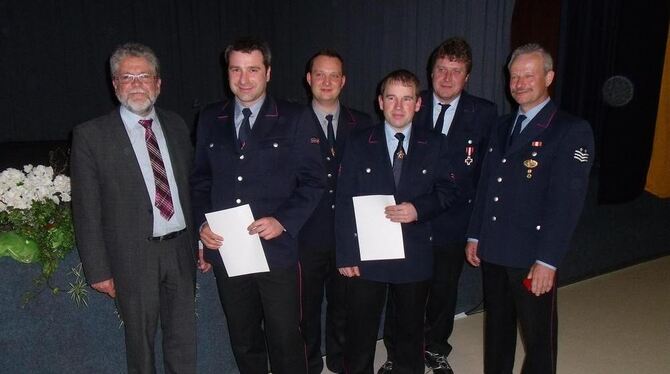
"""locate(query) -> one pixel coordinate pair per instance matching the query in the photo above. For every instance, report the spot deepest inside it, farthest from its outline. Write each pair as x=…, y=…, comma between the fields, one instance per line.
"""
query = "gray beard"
x=140, y=110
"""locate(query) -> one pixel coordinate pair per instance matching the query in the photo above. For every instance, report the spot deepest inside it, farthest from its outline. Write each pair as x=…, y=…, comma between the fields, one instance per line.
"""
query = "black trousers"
x=364, y=308
x=165, y=291
x=318, y=273
x=506, y=300
x=259, y=307
x=441, y=304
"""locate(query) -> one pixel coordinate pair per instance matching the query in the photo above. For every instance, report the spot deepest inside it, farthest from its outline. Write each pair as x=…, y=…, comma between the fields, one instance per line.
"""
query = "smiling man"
x=533, y=184
x=253, y=150
x=466, y=120
x=334, y=123
x=400, y=159
x=132, y=216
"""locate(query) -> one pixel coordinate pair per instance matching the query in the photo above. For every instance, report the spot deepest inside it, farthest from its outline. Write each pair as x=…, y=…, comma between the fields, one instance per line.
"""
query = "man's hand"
x=106, y=286
x=350, y=271
x=403, y=213
x=209, y=238
x=267, y=228
x=471, y=253
x=203, y=265
x=543, y=279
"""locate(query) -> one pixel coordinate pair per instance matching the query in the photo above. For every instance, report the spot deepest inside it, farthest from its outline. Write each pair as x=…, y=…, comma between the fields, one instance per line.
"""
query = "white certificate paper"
x=378, y=237
x=241, y=253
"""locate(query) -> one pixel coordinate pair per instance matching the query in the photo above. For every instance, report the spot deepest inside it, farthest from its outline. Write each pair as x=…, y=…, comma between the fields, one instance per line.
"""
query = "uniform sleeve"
x=566, y=192
x=346, y=240
x=201, y=176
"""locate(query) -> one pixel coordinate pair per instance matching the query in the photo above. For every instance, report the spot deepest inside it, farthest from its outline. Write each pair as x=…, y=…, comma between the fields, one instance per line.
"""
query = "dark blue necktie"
x=245, y=128
x=398, y=157
x=439, y=124
x=331, y=134
x=516, y=130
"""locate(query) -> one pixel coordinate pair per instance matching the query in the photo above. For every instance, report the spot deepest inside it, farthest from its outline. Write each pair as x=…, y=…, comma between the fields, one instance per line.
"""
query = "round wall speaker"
x=618, y=91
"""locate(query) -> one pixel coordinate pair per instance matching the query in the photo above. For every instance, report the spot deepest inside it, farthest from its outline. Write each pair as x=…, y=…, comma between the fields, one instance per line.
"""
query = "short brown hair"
x=328, y=52
x=248, y=45
x=455, y=49
x=402, y=76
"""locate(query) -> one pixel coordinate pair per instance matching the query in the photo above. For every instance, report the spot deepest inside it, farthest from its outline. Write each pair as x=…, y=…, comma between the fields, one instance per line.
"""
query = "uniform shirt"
x=136, y=134
x=255, y=108
x=392, y=142
x=448, y=114
x=321, y=115
x=530, y=114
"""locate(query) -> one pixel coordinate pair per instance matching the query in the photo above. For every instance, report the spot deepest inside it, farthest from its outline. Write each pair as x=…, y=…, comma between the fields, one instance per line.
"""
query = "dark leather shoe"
x=438, y=363
x=386, y=368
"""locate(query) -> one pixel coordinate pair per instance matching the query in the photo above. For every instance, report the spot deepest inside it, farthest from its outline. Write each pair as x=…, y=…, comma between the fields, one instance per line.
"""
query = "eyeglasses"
x=129, y=78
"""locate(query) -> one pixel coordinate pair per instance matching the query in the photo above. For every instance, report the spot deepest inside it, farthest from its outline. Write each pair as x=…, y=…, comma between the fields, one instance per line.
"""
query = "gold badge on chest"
x=531, y=164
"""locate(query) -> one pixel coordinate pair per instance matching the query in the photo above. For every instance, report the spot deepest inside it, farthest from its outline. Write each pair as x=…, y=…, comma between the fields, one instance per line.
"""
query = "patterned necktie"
x=439, y=124
x=331, y=134
x=516, y=130
x=245, y=127
x=398, y=157
x=163, y=196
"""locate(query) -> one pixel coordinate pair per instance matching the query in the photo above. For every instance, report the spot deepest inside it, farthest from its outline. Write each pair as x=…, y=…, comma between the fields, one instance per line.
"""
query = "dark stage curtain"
x=54, y=53
x=601, y=39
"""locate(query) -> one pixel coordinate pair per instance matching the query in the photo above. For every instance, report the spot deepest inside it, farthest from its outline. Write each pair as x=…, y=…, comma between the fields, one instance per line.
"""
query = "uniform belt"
x=169, y=236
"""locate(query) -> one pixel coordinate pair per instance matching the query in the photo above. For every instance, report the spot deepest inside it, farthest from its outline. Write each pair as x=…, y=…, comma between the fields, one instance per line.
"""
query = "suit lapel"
x=463, y=116
x=265, y=120
x=424, y=118
x=178, y=167
x=118, y=133
x=418, y=144
x=377, y=139
x=503, y=134
x=323, y=139
x=121, y=141
x=225, y=129
x=346, y=124
x=540, y=122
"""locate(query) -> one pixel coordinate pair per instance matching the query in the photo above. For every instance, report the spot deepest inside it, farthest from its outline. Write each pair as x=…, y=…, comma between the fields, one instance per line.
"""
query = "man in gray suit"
x=132, y=215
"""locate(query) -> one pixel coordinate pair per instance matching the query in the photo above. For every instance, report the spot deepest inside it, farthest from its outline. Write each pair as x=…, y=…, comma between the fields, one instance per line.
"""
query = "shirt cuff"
x=552, y=267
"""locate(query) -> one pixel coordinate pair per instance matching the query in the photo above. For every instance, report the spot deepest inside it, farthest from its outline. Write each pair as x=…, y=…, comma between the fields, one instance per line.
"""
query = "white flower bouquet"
x=35, y=216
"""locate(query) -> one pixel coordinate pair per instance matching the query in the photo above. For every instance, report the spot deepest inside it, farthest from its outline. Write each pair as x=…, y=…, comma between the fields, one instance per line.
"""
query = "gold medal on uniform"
x=530, y=164
x=469, y=151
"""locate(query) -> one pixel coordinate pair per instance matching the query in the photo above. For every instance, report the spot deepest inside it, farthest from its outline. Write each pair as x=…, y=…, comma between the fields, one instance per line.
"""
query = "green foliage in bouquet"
x=48, y=225
x=36, y=220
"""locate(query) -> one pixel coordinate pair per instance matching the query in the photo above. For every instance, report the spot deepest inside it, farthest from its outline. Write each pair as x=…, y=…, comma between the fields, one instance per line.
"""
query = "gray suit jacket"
x=112, y=211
